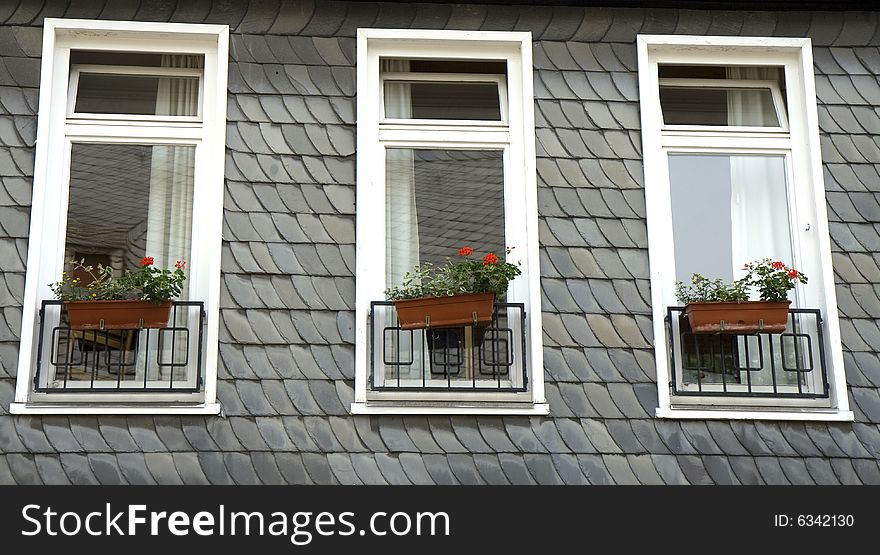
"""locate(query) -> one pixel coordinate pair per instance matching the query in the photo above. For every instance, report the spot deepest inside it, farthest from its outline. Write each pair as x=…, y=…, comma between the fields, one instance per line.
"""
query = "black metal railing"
x=121, y=360
x=466, y=358
x=790, y=364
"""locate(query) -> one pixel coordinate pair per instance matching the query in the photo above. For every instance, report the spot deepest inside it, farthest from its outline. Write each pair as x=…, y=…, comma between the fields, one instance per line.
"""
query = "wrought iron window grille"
x=152, y=360
x=478, y=358
x=771, y=365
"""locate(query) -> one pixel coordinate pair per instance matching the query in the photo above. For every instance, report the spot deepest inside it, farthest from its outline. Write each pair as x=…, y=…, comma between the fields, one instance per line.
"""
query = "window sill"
x=531, y=409
x=31, y=408
x=830, y=415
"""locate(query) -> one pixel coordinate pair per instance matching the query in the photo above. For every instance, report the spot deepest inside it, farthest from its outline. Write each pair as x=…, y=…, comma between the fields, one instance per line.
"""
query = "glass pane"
x=127, y=202
x=718, y=106
x=726, y=211
x=485, y=67
x=135, y=59
x=130, y=201
x=442, y=100
x=137, y=94
x=438, y=201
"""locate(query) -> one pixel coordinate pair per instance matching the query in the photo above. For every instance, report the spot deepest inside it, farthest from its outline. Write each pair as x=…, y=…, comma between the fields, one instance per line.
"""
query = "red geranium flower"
x=180, y=264
x=793, y=274
x=146, y=261
x=465, y=251
x=490, y=259
x=777, y=265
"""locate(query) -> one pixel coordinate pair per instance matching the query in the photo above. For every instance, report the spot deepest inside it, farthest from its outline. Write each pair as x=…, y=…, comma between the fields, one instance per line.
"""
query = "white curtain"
x=759, y=205
x=169, y=221
x=751, y=106
x=401, y=216
x=169, y=228
x=759, y=210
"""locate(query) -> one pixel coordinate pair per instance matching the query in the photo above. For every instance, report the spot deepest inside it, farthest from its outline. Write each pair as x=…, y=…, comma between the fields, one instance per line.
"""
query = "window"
x=446, y=160
x=733, y=175
x=130, y=139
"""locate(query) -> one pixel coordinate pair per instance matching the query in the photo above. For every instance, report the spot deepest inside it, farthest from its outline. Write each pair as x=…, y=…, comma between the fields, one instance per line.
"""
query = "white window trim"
x=54, y=134
x=795, y=54
x=519, y=137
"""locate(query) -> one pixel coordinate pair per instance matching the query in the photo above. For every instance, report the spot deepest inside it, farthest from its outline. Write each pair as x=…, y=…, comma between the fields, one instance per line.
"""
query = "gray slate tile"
x=49, y=467
x=76, y=467
x=341, y=465
x=515, y=469
x=392, y=469
x=366, y=468
x=439, y=470
x=490, y=469
x=415, y=469
x=151, y=468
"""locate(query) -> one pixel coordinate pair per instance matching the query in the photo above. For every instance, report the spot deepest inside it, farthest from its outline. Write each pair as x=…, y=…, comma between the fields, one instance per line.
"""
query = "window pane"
x=438, y=201
x=486, y=67
x=137, y=94
x=726, y=211
x=127, y=202
x=718, y=106
x=130, y=201
x=442, y=100
x=135, y=59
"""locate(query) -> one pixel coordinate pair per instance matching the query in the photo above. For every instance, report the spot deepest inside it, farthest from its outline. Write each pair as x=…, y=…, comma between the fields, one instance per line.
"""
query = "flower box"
x=117, y=315
x=445, y=312
x=738, y=317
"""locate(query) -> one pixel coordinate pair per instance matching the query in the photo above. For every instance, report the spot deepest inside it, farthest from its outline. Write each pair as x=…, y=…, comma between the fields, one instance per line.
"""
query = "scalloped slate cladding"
x=286, y=375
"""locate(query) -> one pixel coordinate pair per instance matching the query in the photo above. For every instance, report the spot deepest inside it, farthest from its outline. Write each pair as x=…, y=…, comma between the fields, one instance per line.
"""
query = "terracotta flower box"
x=117, y=315
x=445, y=312
x=738, y=317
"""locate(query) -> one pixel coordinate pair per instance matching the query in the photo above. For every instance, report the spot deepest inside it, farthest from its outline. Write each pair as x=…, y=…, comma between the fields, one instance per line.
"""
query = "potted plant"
x=133, y=300
x=712, y=306
x=461, y=292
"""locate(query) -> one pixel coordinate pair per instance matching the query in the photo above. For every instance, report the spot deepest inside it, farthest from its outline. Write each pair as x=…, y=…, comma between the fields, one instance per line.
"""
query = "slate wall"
x=286, y=375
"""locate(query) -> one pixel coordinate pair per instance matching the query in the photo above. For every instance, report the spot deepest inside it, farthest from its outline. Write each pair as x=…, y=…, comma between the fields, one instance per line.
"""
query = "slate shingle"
x=367, y=469
x=49, y=467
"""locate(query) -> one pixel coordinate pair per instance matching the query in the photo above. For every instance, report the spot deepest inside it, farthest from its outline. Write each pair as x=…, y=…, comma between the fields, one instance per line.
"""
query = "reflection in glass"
x=128, y=201
x=438, y=201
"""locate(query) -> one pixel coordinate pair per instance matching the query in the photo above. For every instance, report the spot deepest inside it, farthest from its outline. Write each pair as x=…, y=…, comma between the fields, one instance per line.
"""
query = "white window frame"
x=55, y=133
x=498, y=80
x=77, y=69
x=516, y=135
x=807, y=211
x=773, y=86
